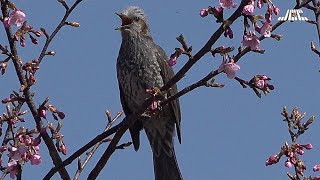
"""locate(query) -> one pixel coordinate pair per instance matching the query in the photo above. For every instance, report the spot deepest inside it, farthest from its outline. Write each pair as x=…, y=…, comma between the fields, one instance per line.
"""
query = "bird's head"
x=133, y=21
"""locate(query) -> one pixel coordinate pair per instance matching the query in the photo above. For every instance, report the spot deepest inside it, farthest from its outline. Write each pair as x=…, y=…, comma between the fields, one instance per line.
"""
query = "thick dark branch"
x=202, y=82
x=206, y=48
x=82, y=150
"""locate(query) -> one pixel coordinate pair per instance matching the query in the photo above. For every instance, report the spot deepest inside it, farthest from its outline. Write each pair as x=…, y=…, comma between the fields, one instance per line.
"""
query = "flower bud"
x=73, y=24
x=288, y=164
x=316, y=168
x=204, y=12
x=308, y=146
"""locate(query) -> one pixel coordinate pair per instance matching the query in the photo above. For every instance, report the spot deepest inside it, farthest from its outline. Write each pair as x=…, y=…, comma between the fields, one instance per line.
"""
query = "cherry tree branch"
x=206, y=48
x=26, y=90
x=57, y=29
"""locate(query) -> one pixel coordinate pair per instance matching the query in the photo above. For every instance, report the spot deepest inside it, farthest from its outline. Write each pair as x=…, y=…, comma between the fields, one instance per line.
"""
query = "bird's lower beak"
x=125, y=21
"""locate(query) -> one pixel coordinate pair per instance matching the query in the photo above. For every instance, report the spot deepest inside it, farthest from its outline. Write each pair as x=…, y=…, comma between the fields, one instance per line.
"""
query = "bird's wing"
x=135, y=129
x=167, y=73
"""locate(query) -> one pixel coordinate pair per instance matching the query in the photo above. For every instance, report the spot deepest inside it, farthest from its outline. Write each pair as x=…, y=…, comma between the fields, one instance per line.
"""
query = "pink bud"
x=288, y=164
x=259, y=4
x=228, y=32
x=22, y=42
x=63, y=149
x=272, y=160
x=6, y=22
x=290, y=154
x=204, y=12
x=38, y=33
x=316, y=168
x=33, y=40
x=43, y=113
x=300, y=152
x=268, y=17
x=308, y=146
x=276, y=10
x=173, y=60
x=6, y=100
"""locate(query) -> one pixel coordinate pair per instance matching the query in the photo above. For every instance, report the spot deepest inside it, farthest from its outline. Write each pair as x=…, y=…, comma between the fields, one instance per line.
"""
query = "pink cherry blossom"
x=251, y=40
x=227, y=4
x=35, y=159
x=266, y=29
x=229, y=67
x=261, y=82
x=16, y=18
x=316, y=168
x=204, y=12
x=248, y=9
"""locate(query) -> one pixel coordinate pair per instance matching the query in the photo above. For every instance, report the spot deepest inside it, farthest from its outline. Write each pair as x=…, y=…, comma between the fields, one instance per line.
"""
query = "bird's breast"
x=137, y=70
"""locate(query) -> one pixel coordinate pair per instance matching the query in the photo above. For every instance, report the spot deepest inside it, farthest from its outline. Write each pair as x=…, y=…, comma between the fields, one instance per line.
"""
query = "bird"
x=141, y=66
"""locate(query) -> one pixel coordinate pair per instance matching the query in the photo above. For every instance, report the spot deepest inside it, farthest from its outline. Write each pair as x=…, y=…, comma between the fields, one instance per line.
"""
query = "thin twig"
x=57, y=29
x=93, y=150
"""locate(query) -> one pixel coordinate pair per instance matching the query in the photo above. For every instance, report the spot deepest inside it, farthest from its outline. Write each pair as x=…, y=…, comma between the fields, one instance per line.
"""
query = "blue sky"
x=227, y=133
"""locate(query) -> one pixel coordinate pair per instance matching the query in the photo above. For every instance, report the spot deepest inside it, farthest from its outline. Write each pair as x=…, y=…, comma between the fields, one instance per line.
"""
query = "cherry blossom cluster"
x=24, y=146
x=55, y=131
x=294, y=151
x=25, y=149
x=249, y=38
x=17, y=18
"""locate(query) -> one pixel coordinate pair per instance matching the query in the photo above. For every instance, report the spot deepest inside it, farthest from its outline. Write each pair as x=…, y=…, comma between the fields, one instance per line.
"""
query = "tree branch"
x=206, y=48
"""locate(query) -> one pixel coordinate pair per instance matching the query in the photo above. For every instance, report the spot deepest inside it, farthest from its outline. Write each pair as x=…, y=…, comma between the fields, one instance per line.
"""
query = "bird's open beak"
x=125, y=21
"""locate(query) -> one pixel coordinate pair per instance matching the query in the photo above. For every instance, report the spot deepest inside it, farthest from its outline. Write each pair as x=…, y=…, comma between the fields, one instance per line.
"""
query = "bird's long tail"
x=166, y=167
x=160, y=134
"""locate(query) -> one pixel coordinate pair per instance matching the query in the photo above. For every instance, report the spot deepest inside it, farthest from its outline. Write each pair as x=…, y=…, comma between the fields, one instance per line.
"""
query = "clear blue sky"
x=227, y=133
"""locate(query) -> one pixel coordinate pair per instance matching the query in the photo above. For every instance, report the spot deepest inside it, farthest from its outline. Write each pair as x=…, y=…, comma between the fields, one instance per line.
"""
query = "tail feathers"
x=166, y=167
x=135, y=134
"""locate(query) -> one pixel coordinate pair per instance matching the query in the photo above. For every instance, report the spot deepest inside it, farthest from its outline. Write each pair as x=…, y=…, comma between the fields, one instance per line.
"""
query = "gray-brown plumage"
x=141, y=65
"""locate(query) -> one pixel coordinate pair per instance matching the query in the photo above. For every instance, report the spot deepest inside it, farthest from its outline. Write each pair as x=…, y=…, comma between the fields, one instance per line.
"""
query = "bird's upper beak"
x=125, y=21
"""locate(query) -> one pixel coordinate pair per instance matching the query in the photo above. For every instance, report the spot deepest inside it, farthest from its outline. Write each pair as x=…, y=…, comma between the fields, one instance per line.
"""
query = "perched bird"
x=141, y=65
